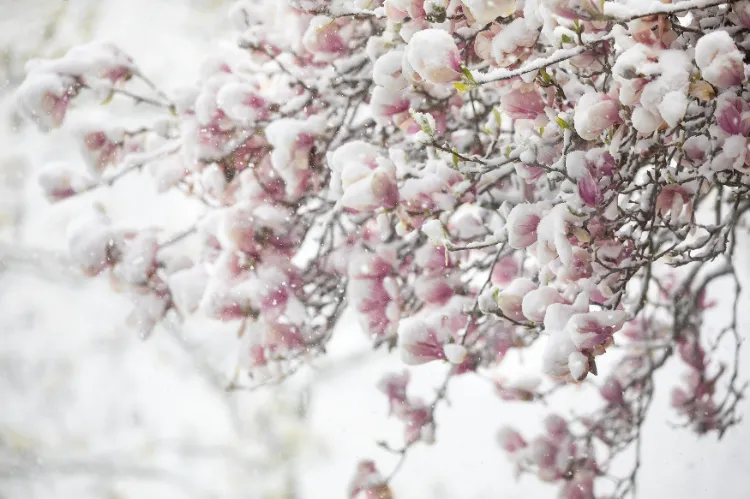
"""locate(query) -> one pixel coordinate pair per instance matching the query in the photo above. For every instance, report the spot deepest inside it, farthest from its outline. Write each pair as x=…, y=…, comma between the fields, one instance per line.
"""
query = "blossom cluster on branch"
x=469, y=177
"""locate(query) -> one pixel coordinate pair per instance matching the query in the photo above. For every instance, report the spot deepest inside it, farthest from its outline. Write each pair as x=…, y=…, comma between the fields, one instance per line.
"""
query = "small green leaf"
x=498, y=117
x=462, y=87
x=456, y=159
x=563, y=124
x=545, y=76
x=108, y=99
x=566, y=39
x=467, y=74
x=541, y=130
x=486, y=130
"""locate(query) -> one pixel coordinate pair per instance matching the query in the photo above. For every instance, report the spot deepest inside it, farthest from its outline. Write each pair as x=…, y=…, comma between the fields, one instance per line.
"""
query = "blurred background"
x=90, y=410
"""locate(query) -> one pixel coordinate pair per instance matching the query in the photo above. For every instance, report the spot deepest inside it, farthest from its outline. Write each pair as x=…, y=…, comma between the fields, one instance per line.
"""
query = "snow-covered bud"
x=719, y=60
x=433, y=54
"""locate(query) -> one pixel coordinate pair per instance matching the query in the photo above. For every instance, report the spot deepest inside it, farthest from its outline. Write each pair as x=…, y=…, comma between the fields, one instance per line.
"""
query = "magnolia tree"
x=469, y=177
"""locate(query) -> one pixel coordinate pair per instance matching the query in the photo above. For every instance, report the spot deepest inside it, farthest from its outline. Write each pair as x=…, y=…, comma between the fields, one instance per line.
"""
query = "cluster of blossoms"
x=470, y=177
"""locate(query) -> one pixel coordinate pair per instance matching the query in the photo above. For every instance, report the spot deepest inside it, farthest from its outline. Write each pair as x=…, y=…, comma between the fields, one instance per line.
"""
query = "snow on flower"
x=44, y=98
x=522, y=225
x=433, y=55
x=595, y=113
x=292, y=141
x=58, y=181
x=483, y=12
x=719, y=60
x=93, y=244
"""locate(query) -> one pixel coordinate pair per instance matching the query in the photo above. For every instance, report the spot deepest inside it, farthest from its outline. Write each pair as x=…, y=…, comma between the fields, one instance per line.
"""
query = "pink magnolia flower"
x=93, y=244
x=44, y=98
x=557, y=428
x=580, y=487
x=594, y=113
x=421, y=342
x=419, y=423
x=536, y=301
x=398, y=10
x=59, y=182
x=433, y=54
x=292, y=141
x=513, y=43
x=241, y=102
x=673, y=198
x=394, y=387
x=322, y=38
x=523, y=389
x=522, y=224
x=588, y=189
x=719, y=60
x=510, y=440
x=741, y=13
x=392, y=106
x=435, y=289
x=576, y=9
x=374, y=294
x=102, y=148
x=523, y=103
x=562, y=358
x=578, y=268
x=149, y=309
x=692, y=354
x=543, y=453
x=611, y=391
x=593, y=331
x=506, y=269
x=733, y=115
x=510, y=299
x=187, y=287
x=387, y=71
x=368, y=483
x=138, y=260
x=482, y=12
x=376, y=189
x=696, y=148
